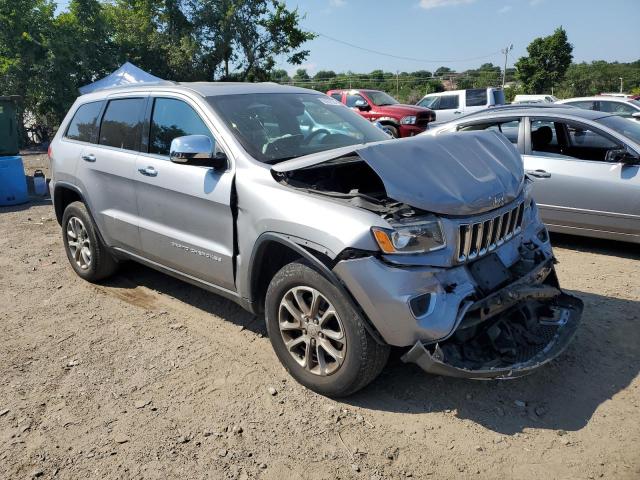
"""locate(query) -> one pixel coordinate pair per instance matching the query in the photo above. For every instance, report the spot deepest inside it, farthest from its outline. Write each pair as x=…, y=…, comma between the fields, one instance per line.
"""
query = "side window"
x=544, y=138
x=508, y=128
x=83, y=123
x=476, y=97
x=170, y=119
x=586, y=104
x=352, y=98
x=570, y=140
x=617, y=108
x=447, y=102
x=122, y=123
x=337, y=96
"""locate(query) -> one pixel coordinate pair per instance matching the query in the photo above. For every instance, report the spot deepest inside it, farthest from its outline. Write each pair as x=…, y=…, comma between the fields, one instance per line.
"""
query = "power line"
x=412, y=59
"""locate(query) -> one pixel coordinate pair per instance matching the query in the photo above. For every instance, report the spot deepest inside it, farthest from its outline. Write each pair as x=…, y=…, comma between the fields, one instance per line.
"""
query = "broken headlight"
x=408, y=120
x=410, y=236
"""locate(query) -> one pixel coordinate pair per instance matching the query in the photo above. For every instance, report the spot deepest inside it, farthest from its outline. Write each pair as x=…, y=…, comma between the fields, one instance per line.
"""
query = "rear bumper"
x=530, y=354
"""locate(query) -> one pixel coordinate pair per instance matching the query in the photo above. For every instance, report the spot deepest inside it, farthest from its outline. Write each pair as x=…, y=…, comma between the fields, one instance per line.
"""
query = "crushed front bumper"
x=542, y=339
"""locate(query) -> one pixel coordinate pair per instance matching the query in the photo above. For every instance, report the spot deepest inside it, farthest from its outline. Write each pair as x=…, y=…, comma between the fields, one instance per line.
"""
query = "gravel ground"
x=147, y=377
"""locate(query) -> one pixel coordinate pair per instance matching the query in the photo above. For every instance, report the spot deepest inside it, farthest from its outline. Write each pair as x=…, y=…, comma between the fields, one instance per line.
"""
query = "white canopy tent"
x=127, y=74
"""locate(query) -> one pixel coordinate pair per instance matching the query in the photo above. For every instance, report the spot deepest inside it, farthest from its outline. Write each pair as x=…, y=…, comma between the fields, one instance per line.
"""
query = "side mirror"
x=362, y=105
x=196, y=150
x=622, y=155
x=636, y=115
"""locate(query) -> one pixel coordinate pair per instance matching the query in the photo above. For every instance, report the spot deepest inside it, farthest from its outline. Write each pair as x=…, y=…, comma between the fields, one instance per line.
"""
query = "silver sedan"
x=586, y=165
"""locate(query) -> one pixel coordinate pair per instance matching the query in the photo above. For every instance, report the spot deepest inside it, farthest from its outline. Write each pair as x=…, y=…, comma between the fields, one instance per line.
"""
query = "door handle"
x=457, y=112
x=149, y=171
x=538, y=173
x=89, y=158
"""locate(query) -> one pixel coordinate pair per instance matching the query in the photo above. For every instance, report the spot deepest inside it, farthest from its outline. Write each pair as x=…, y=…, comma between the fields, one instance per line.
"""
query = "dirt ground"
x=147, y=377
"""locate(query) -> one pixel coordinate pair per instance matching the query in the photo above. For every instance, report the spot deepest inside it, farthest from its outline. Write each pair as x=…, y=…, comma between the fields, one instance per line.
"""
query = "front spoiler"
x=434, y=362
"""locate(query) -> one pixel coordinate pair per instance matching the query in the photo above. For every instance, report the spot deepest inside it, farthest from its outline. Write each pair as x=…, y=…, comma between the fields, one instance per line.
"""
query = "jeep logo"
x=498, y=200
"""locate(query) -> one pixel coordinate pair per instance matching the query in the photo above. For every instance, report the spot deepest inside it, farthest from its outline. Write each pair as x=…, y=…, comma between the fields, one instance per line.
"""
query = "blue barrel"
x=13, y=183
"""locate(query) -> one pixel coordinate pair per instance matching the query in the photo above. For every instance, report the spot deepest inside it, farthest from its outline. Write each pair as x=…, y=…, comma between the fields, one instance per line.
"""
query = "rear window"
x=477, y=97
x=122, y=123
x=337, y=96
x=83, y=123
x=498, y=97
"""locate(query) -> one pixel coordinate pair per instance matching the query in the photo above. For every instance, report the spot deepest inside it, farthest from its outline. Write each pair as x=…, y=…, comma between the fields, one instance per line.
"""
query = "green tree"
x=301, y=75
x=280, y=75
x=243, y=38
x=548, y=60
x=25, y=29
x=441, y=71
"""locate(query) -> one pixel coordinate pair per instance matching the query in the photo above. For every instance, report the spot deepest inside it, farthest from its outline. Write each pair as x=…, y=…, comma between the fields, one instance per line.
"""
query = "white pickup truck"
x=456, y=103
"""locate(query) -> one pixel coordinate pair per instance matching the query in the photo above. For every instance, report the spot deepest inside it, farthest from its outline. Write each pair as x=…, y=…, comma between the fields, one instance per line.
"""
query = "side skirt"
x=229, y=294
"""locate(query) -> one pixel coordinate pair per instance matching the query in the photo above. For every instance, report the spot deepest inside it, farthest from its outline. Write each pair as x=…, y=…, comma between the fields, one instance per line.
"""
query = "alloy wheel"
x=312, y=331
x=79, y=243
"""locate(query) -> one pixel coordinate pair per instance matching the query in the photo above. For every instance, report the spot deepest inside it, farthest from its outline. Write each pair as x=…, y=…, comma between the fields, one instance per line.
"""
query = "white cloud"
x=337, y=3
x=505, y=9
x=429, y=4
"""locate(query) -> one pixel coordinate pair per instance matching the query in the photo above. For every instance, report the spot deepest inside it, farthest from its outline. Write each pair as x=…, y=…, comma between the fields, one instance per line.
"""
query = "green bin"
x=8, y=126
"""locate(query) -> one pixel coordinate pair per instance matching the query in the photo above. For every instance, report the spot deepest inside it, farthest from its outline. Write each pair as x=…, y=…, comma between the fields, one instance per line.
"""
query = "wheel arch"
x=63, y=195
x=272, y=251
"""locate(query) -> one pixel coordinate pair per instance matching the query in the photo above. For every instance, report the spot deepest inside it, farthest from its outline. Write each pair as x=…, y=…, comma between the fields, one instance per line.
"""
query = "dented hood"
x=451, y=174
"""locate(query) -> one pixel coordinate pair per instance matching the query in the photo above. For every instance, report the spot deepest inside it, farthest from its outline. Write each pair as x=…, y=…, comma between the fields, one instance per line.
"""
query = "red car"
x=396, y=119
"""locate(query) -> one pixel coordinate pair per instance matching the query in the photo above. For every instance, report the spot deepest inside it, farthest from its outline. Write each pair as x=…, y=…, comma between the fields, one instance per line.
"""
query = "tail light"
x=49, y=152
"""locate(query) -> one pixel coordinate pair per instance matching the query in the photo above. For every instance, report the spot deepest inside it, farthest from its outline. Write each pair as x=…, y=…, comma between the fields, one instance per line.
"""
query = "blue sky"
x=462, y=29
x=455, y=30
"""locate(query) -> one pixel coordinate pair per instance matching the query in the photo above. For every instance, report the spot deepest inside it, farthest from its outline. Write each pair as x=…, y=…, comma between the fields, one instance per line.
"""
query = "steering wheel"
x=316, y=132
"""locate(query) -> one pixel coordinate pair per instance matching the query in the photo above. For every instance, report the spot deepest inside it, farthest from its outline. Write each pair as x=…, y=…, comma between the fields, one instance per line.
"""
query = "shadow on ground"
x=603, y=360
x=599, y=246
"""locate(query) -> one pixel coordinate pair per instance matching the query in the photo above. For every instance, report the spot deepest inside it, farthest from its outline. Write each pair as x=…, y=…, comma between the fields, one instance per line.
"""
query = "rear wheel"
x=87, y=255
x=317, y=335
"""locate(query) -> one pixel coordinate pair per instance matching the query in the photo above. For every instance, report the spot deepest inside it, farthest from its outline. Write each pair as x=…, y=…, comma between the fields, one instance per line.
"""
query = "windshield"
x=380, y=99
x=273, y=127
x=428, y=102
x=624, y=126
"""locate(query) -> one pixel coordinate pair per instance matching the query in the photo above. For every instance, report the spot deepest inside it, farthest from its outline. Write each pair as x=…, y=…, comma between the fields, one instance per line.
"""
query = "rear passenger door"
x=186, y=222
x=475, y=99
x=106, y=169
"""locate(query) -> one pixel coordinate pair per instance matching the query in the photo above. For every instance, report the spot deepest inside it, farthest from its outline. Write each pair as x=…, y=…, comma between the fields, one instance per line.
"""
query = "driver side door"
x=186, y=222
x=574, y=186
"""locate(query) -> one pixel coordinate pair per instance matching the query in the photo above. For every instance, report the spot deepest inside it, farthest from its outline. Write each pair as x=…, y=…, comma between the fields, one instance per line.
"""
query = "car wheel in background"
x=391, y=130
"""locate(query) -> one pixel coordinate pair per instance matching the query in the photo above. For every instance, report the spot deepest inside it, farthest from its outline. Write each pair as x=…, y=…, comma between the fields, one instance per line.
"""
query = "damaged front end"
x=505, y=335
x=464, y=272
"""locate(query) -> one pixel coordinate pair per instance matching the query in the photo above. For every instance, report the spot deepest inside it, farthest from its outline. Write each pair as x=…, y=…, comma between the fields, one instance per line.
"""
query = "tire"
x=91, y=260
x=391, y=130
x=362, y=357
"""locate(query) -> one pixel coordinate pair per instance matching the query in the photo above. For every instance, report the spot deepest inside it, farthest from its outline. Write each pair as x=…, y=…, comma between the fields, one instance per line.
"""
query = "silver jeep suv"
x=292, y=205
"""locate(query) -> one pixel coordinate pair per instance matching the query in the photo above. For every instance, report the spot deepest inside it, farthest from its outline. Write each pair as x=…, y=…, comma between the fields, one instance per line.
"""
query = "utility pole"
x=505, y=52
x=620, y=84
x=398, y=82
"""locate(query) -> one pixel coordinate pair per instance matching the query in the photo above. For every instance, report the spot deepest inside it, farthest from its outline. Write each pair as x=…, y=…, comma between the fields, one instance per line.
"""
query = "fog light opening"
x=422, y=305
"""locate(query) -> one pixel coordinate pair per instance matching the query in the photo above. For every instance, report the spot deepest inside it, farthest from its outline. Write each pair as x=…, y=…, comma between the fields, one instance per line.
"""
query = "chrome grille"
x=478, y=238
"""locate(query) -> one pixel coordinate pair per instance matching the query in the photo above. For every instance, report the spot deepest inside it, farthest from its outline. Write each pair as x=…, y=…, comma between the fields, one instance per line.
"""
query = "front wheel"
x=317, y=335
x=391, y=130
